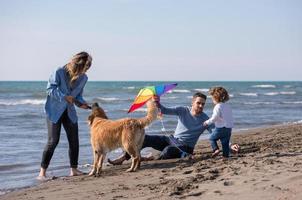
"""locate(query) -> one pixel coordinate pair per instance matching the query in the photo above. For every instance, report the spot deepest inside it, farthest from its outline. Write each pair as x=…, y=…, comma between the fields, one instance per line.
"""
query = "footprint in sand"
x=188, y=172
x=228, y=183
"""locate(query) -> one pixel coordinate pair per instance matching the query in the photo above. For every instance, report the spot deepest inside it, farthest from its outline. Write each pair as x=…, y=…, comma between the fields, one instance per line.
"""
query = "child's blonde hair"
x=219, y=94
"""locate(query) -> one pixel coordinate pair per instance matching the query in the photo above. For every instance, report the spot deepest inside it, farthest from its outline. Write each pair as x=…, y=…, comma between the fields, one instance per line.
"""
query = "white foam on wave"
x=108, y=98
x=201, y=89
x=271, y=93
x=181, y=91
x=23, y=102
x=129, y=88
x=264, y=86
x=249, y=94
x=287, y=86
x=87, y=165
x=297, y=122
x=141, y=110
x=288, y=92
x=259, y=103
x=292, y=102
x=277, y=93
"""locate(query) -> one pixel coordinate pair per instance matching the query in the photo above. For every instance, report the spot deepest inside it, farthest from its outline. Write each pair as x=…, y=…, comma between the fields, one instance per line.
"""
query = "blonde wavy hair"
x=219, y=94
x=78, y=65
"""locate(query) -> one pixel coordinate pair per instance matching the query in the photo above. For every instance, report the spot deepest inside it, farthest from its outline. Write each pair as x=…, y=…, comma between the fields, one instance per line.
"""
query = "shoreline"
x=269, y=164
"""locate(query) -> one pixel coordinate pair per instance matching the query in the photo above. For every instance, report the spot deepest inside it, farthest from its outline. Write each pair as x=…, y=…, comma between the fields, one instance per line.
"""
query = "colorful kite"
x=148, y=92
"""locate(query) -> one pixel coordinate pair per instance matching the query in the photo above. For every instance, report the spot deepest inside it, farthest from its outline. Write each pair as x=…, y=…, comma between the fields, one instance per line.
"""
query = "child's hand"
x=205, y=124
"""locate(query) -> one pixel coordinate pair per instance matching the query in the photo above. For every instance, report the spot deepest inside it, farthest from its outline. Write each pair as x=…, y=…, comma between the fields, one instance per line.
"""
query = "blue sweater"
x=189, y=127
x=57, y=88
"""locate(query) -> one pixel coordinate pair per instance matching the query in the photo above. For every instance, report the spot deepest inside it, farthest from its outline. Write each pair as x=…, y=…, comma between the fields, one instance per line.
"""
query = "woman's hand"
x=84, y=106
x=69, y=99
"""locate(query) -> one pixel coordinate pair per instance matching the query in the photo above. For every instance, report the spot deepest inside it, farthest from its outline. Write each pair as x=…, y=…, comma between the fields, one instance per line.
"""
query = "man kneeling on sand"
x=182, y=142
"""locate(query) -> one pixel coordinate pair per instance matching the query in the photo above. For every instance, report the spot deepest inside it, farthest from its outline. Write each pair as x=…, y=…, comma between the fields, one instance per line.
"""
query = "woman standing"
x=64, y=89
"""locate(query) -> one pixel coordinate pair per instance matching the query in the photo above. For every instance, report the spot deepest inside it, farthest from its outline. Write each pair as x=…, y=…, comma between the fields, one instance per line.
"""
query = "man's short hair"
x=201, y=95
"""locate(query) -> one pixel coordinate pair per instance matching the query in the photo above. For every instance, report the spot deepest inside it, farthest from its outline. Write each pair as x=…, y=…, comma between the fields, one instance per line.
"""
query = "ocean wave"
x=9, y=167
x=141, y=110
x=292, y=102
x=129, y=88
x=277, y=93
x=181, y=91
x=259, y=103
x=271, y=93
x=288, y=92
x=201, y=90
x=22, y=102
x=296, y=122
x=264, y=86
x=249, y=94
x=28, y=115
x=107, y=99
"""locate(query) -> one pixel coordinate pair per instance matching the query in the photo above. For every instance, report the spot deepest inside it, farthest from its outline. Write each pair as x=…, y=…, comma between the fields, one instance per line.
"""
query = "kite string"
x=183, y=153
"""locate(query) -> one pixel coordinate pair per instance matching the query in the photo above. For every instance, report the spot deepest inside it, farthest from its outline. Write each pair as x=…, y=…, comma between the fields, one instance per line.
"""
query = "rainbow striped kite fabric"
x=148, y=92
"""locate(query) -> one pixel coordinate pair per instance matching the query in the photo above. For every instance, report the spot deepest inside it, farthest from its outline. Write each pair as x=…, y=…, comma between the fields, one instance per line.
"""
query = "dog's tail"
x=152, y=112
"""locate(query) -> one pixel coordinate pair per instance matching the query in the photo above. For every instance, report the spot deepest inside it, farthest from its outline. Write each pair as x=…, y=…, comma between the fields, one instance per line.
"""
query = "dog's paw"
x=98, y=174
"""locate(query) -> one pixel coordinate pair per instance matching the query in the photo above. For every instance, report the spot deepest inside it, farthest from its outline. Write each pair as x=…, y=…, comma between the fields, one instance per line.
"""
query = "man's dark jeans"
x=169, y=146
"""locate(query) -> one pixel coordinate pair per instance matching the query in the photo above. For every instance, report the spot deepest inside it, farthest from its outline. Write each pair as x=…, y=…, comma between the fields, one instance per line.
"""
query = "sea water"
x=23, y=129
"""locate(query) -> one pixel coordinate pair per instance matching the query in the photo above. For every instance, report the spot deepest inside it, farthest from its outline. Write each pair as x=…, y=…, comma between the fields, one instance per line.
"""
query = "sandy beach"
x=269, y=166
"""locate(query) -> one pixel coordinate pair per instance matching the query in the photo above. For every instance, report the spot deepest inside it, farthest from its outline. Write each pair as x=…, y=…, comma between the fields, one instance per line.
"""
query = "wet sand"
x=268, y=166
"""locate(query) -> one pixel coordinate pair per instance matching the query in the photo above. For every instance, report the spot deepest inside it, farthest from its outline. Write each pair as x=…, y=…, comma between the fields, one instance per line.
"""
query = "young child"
x=223, y=119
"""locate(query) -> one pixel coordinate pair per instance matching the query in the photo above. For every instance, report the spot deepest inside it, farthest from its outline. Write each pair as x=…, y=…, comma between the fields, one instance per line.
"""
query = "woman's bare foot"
x=42, y=175
x=75, y=172
x=215, y=153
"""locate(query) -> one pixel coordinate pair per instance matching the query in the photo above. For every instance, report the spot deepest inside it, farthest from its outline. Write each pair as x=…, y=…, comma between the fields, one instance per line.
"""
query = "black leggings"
x=54, y=130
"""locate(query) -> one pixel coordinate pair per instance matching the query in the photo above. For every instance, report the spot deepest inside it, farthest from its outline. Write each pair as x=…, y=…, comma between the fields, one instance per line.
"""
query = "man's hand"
x=69, y=99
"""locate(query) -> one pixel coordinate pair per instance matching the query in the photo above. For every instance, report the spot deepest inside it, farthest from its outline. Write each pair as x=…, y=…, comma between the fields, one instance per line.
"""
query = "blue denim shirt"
x=189, y=127
x=57, y=88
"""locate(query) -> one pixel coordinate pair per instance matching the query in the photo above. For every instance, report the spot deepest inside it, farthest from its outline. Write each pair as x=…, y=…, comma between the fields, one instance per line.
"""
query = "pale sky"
x=164, y=40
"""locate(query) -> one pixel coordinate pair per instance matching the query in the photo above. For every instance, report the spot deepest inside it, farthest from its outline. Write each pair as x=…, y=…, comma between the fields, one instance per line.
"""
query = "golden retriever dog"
x=127, y=133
